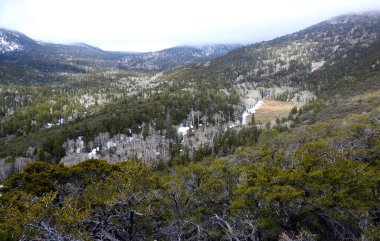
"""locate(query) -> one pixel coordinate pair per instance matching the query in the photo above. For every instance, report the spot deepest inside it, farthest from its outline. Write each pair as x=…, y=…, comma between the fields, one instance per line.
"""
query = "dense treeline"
x=93, y=108
x=161, y=110
x=289, y=185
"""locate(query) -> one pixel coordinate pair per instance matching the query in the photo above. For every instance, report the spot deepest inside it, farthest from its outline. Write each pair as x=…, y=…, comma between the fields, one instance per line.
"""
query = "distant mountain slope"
x=292, y=59
x=24, y=60
x=170, y=58
x=14, y=43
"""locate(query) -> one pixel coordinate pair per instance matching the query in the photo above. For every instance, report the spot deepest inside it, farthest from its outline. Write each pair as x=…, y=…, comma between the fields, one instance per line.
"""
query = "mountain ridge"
x=17, y=49
x=291, y=59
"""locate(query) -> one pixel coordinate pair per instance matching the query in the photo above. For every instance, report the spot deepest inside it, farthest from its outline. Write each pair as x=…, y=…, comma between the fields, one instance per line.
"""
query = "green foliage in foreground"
x=318, y=182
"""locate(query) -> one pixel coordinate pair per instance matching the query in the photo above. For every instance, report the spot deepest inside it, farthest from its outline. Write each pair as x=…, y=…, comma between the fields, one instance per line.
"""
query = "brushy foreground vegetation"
x=316, y=182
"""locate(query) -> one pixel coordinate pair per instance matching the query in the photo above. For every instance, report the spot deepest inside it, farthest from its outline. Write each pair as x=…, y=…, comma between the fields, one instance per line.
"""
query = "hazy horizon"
x=145, y=25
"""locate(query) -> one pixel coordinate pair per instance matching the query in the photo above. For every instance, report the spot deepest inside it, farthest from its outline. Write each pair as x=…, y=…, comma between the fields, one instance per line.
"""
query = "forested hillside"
x=278, y=140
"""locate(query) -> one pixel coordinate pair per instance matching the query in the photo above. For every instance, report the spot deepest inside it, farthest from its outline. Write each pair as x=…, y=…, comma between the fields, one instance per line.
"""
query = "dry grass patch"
x=272, y=109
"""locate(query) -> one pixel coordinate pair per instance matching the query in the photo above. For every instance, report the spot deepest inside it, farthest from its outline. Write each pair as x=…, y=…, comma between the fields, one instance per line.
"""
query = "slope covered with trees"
x=314, y=175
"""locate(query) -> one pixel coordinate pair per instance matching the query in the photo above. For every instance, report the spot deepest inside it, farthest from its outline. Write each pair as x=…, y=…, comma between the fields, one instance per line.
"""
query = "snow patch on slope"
x=7, y=45
x=317, y=65
x=251, y=111
x=182, y=130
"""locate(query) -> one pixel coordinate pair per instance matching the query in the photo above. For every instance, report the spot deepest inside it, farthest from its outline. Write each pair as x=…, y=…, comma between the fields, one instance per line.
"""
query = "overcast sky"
x=149, y=25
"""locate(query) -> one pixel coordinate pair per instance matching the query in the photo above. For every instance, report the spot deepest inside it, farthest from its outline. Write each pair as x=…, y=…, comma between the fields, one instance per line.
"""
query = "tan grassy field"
x=271, y=109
